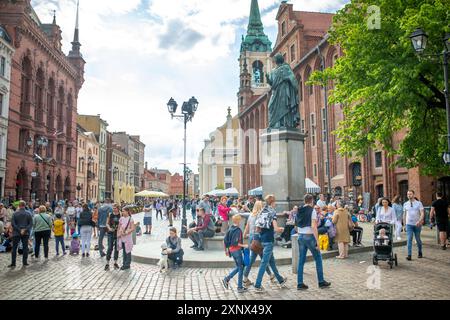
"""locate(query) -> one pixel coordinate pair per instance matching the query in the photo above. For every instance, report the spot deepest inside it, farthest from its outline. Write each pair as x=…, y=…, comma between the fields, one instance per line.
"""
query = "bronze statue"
x=283, y=105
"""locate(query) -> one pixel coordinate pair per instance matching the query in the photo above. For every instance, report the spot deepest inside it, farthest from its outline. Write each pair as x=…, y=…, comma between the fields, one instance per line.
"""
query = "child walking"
x=233, y=242
x=58, y=230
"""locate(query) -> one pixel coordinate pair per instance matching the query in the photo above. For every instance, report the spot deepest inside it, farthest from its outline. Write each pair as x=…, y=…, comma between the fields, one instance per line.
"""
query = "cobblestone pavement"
x=74, y=278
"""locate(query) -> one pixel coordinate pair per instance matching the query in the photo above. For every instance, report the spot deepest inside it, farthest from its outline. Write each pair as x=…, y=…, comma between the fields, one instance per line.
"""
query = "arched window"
x=26, y=87
x=51, y=104
x=39, y=96
x=60, y=110
x=257, y=73
x=300, y=87
x=69, y=115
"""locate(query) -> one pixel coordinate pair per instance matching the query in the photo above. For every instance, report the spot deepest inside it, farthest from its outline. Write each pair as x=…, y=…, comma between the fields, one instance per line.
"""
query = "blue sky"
x=139, y=53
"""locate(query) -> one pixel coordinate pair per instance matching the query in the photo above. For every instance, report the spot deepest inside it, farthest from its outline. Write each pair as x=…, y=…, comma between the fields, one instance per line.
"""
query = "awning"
x=213, y=192
x=256, y=192
x=231, y=192
x=311, y=187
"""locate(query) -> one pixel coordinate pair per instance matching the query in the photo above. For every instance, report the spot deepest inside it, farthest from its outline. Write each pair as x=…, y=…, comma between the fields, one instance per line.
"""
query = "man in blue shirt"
x=103, y=212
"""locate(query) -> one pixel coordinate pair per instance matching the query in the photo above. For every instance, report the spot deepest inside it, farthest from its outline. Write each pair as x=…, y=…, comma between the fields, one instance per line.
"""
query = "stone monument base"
x=283, y=166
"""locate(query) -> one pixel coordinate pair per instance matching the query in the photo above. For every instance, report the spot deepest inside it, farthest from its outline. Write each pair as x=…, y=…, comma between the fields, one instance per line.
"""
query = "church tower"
x=75, y=56
x=254, y=59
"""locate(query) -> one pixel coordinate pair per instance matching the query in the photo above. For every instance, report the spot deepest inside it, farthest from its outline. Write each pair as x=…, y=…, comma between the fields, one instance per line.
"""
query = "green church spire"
x=256, y=40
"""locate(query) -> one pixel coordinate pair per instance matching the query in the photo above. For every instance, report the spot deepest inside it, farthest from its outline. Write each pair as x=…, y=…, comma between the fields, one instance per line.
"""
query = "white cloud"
x=130, y=76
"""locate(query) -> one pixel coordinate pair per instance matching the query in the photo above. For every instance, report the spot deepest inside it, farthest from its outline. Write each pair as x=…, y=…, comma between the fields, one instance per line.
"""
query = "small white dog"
x=163, y=262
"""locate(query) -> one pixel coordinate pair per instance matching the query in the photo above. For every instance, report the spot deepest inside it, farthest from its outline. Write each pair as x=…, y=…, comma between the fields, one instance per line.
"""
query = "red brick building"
x=157, y=180
x=176, y=185
x=302, y=39
x=43, y=107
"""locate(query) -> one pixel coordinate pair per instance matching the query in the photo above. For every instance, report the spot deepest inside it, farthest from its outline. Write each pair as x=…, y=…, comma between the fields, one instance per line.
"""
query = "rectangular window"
x=228, y=172
x=1, y=104
x=378, y=159
x=2, y=144
x=324, y=125
x=303, y=126
x=68, y=156
x=2, y=66
x=315, y=170
x=23, y=136
x=283, y=28
x=50, y=149
x=293, y=53
x=310, y=90
x=326, y=168
x=59, y=152
x=300, y=90
x=313, y=130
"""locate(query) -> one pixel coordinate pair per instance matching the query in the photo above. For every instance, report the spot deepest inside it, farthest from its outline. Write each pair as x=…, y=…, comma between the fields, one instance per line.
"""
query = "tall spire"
x=255, y=25
x=76, y=45
x=54, y=17
x=256, y=40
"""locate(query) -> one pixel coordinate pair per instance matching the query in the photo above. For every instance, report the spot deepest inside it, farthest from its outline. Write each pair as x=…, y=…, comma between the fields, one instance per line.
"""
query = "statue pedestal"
x=283, y=166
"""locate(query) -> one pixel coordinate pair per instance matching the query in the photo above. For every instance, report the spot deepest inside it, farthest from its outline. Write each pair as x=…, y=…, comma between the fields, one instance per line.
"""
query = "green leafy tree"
x=385, y=87
x=220, y=187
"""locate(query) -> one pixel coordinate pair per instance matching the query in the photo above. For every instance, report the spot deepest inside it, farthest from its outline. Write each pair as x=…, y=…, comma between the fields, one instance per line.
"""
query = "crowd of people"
x=320, y=225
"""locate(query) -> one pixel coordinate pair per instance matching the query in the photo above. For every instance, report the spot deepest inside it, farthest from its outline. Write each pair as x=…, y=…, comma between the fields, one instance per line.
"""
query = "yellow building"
x=88, y=150
x=120, y=161
x=219, y=165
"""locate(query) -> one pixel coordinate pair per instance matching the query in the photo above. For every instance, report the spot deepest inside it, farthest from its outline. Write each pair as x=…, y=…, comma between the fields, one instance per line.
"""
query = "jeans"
x=86, y=235
x=39, y=236
x=126, y=257
x=101, y=234
x=398, y=229
x=410, y=231
x=305, y=242
x=112, y=245
x=60, y=240
x=357, y=235
x=237, y=256
x=286, y=235
x=197, y=237
x=253, y=257
x=16, y=240
x=267, y=259
x=160, y=213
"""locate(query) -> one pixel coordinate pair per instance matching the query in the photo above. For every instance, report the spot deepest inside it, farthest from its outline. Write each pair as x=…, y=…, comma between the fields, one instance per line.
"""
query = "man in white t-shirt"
x=321, y=202
x=414, y=214
x=70, y=214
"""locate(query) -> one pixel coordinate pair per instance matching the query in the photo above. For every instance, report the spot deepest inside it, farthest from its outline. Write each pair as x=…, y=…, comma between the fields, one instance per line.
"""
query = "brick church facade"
x=42, y=136
x=302, y=40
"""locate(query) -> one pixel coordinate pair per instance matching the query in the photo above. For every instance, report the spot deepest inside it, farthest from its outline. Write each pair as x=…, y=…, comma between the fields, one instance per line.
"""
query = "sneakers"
x=302, y=286
x=194, y=246
x=408, y=258
x=83, y=255
x=242, y=290
x=102, y=254
x=107, y=267
x=272, y=277
x=420, y=256
x=225, y=283
x=87, y=255
x=259, y=290
x=283, y=283
x=324, y=284
x=116, y=266
x=247, y=283
x=199, y=249
x=444, y=247
x=124, y=268
x=12, y=266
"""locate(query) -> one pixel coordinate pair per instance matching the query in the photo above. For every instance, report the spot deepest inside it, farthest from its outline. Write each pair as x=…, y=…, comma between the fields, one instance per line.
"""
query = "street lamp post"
x=89, y=176
x=419, y=41
x=188, y=111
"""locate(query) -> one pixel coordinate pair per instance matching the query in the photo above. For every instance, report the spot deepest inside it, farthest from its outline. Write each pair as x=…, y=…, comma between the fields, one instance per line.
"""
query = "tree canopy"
x=385, y=87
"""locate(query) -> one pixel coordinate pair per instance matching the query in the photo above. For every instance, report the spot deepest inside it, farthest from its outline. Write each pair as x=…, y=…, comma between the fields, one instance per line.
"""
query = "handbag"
x=119, y=236
x=256, y=247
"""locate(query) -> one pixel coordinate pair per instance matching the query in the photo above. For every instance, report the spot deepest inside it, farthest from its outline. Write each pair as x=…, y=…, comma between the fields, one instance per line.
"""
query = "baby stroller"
x=384, y=247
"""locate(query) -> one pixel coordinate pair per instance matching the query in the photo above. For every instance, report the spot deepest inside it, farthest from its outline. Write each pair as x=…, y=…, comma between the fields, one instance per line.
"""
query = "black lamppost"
x=90, y=176
x=187, y=113
x=419, y=41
